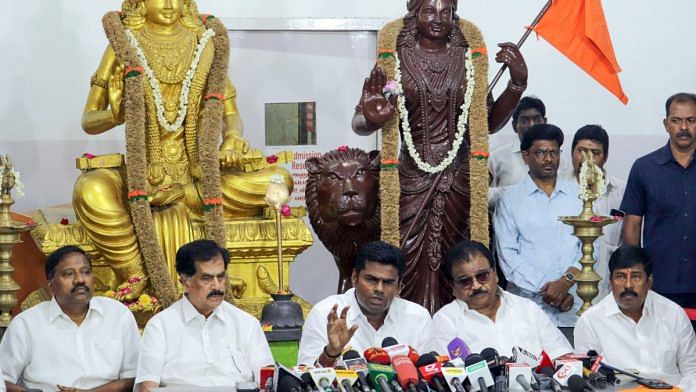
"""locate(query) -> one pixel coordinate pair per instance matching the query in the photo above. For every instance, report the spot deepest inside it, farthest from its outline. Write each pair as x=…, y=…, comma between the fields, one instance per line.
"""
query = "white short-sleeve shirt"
x=181, y=347
x=518, y=322
x=407, y=322
x=43, y=347
x=660, y=345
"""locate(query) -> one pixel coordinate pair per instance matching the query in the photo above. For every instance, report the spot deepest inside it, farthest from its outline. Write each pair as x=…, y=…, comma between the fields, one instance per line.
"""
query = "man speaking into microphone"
x=366, y=314
x=636, y=328
x=484, y=315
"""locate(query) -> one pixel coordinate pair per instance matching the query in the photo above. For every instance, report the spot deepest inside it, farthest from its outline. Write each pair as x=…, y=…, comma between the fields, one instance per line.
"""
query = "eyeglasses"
x=468, y=281
x=541, y=154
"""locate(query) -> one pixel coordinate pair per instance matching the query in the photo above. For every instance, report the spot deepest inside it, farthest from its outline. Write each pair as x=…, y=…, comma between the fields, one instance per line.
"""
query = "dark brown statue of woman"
x=433, y=58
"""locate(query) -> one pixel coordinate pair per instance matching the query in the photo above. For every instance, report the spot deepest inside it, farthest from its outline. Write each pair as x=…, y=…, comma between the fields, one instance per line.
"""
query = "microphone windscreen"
x=472, y=359
x=413, y=354
x=490, y=354
x=426, y=359
x=377, y=355
x=389, y=341
x=288, y=383
x=592, y=353
x=406, y=373
x=577, y=384
x=457, y=348
x=351, y=354
x=307, y=380
x=548, y=370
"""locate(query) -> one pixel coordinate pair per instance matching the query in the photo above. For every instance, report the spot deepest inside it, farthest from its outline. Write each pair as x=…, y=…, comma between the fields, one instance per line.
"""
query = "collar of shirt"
x=530, y=187
x=613, y=309
x=355, y=311
x=191, y=313
x=55, y=311
x=665, y=156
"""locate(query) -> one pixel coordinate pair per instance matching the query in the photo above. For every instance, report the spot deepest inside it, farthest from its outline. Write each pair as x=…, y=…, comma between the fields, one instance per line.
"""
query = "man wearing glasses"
x=538, y=254
x=636, y=328
x=484, y=315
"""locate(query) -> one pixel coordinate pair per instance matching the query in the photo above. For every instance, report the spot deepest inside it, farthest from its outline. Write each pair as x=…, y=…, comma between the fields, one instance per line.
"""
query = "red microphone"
x=545, y=362
x=406, y=372
x=377, y=355
x=431, y=371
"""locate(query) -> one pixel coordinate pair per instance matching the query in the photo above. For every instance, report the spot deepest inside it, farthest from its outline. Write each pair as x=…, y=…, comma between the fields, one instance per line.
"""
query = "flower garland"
x=588, y=169
x=185, y=86
x=462, y=121
x=390, y=189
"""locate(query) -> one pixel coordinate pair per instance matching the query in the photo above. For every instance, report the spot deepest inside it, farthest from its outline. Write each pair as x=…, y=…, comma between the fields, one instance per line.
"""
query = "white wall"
x=51, y=47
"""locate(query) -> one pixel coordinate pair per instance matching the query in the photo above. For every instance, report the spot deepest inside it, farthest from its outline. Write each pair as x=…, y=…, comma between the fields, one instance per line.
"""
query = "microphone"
x=595, y=379
x=520, y=355
x=381, y=376
x=479, y=374
x=548, y=371
x=377, y=355
x=520, y=373
x=431, y=371
x=564, y=372
x=266, y=379
x=346, y=379
x=353, y=362
x=288, y=383
x=454, y=376
x=457, y=348
x=577, y=384
x=405, y=372
x=392, y=347
x=501, y=384
x=307, y=382
x=493, y=360
x=323, y=378
x=522, y=380
x=544, y=361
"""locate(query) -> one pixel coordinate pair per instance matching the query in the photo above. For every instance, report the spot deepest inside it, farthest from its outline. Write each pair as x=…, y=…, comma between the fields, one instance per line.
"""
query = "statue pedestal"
x=253, y=268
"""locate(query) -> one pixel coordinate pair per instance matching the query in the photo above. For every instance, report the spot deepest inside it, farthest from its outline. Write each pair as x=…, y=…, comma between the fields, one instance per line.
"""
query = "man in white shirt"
x=636, y=328
x=506, y=164
x=74, y=341
x=484, y=315
x=595, y=140
x=366, y=314
x=201, y=340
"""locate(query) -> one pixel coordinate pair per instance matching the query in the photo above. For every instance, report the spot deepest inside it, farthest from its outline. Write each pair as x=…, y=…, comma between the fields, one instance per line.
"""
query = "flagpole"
x=520, y=43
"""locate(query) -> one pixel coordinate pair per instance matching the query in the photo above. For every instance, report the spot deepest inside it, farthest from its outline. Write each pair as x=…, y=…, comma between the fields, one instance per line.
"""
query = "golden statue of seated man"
x=164, y=74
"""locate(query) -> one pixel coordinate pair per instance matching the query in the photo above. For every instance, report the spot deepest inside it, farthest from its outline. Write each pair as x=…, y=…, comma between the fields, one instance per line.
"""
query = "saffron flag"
x=578, y=29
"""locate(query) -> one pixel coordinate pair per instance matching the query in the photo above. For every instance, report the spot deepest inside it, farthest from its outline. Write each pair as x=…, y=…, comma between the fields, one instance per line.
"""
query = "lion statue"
x=342, y=196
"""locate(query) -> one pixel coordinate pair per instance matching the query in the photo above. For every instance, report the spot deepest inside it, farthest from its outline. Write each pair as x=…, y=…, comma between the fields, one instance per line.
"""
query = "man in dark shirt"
x=660, y=204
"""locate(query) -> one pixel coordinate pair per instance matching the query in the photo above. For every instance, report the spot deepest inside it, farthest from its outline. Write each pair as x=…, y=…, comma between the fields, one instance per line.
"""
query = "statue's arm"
x=96, y=117
x=233, y=121
x=506, y=103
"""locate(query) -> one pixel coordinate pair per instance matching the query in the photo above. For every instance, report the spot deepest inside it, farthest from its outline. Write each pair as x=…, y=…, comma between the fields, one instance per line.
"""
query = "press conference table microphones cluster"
x=398, y=367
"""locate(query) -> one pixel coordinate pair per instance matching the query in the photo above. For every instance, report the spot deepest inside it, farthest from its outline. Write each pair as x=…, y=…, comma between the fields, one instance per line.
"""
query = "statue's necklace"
x=185, y=84
x=168, y=55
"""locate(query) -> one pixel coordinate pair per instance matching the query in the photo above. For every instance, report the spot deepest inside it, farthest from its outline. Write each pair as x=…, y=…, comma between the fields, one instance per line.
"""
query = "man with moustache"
x=484, y=315
x=201, y=340
x=636, y=328
x=75, y=341
x=538, y=254
x=593, y=139
x=506, y=164
x=369, y=312
x=659, y=204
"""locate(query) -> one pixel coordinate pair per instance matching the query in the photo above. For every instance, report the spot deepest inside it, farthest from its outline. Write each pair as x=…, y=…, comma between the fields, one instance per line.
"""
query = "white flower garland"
x=462, y=122
x=18, y=186
x=185, y=86
x=585, y=191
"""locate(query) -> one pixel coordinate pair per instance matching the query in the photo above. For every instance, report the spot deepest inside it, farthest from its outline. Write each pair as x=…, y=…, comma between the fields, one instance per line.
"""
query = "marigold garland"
x=218, y=96
x=390, y=189
x=209, y=133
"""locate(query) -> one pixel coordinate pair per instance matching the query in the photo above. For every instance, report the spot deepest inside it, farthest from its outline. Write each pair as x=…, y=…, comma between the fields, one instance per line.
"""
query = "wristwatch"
x=570, y=277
